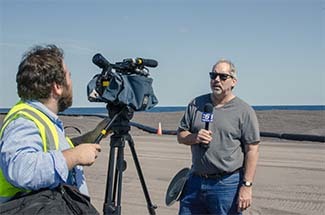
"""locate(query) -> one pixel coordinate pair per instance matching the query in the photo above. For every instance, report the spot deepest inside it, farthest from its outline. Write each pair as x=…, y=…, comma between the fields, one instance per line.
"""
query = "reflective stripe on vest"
x=48, y=133
x=46, y=127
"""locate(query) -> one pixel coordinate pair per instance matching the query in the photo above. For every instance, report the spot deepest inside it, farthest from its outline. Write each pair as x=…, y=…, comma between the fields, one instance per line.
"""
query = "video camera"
x=124, y=83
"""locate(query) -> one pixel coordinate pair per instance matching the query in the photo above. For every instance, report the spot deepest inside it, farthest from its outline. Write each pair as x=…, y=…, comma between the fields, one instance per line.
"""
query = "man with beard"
x=225, y=155
x=34, y=151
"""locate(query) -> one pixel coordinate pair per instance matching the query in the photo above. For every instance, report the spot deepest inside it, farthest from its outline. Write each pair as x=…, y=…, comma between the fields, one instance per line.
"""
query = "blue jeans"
x=210, y=196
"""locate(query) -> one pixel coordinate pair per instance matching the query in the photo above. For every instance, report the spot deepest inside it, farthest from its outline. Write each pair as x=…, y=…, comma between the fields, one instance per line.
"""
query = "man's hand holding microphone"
x=204, y=136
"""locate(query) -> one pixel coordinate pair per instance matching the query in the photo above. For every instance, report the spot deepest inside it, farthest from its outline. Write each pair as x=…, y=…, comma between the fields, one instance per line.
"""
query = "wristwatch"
x=247, y=183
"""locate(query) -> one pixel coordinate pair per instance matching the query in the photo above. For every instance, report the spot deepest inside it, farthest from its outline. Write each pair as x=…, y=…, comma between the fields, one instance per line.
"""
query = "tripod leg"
x=150, y=206
x=109, y=204
x=113, y=195
x=116, y=179
x=119, y=174
x=115, y=183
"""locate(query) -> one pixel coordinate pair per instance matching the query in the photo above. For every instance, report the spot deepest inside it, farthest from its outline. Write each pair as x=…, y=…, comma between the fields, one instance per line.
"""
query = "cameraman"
x=34, y=151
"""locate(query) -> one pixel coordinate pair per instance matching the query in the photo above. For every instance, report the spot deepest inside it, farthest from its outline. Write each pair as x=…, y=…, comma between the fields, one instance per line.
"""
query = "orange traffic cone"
x=159, y=130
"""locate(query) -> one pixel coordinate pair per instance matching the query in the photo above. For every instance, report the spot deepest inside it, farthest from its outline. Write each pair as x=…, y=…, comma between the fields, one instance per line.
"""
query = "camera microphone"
x=141, y=62
x=100, y=61
x=207, y=117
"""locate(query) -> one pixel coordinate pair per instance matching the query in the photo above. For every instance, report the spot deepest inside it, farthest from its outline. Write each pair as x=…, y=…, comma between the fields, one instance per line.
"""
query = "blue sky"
x=277, y=46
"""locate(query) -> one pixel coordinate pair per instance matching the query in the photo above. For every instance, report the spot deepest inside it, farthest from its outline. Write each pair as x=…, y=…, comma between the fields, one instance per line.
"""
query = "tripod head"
x=122, y=116
x=119, y=123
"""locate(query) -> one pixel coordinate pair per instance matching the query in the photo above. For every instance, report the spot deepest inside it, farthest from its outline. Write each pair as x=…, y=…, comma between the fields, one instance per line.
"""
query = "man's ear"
x=234, y=82
x=57, y=89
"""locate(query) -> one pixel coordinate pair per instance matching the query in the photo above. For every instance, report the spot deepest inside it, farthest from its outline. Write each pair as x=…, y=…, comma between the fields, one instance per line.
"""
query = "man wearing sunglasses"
x=225, y=155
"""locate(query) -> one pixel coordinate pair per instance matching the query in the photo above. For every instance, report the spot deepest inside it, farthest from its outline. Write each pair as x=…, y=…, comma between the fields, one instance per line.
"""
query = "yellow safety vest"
x=47, y=131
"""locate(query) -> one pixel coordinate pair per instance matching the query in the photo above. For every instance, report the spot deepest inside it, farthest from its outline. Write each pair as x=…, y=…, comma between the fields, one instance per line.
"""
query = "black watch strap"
x=247, y=183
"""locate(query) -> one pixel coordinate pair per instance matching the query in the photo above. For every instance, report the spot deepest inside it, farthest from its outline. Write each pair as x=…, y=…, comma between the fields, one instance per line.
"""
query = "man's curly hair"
x=39, y=69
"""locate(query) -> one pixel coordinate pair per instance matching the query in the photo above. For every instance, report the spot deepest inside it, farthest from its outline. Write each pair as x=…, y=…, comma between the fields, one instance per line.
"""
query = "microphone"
x=100, y=61
x=207, y=117
x=141, y=62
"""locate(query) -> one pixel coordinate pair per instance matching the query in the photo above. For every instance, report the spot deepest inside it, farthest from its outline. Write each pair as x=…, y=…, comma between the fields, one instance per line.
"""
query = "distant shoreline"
x=162, y=109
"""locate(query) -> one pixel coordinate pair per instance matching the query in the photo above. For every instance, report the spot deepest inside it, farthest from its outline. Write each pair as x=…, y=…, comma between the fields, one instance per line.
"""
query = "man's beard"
x=218, y=91
x=66, y=100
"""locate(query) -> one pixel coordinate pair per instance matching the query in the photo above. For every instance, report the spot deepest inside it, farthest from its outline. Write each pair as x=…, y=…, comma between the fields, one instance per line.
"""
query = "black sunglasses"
x=222, y=76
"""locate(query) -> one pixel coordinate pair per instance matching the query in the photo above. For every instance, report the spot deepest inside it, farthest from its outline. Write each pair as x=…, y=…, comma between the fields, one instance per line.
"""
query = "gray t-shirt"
x=234, y=125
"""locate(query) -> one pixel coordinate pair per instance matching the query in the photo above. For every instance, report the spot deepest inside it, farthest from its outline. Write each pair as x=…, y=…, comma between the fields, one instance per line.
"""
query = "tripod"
x=119, y=124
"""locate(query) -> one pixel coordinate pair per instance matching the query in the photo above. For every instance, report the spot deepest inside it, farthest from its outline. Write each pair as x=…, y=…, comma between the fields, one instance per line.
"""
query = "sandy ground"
x=289, y=178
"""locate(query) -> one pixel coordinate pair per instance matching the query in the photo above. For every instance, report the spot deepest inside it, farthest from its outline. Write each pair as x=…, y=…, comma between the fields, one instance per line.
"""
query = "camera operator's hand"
x=83, y=154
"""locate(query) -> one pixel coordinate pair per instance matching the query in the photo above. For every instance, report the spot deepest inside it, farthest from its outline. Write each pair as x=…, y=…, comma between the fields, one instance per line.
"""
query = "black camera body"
x=125, y=83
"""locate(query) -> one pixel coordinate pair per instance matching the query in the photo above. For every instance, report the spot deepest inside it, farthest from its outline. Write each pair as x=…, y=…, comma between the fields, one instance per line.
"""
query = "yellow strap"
x=70, y=142
x=39, y=125
x=4, y=126
x=12, y=110
x=20, y=106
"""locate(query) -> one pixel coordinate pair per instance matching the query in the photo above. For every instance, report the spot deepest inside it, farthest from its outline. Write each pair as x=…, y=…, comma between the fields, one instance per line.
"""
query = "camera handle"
x=107, y=127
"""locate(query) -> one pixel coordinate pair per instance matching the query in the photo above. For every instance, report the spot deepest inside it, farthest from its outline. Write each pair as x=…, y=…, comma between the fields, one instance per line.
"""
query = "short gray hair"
x=233, y=70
